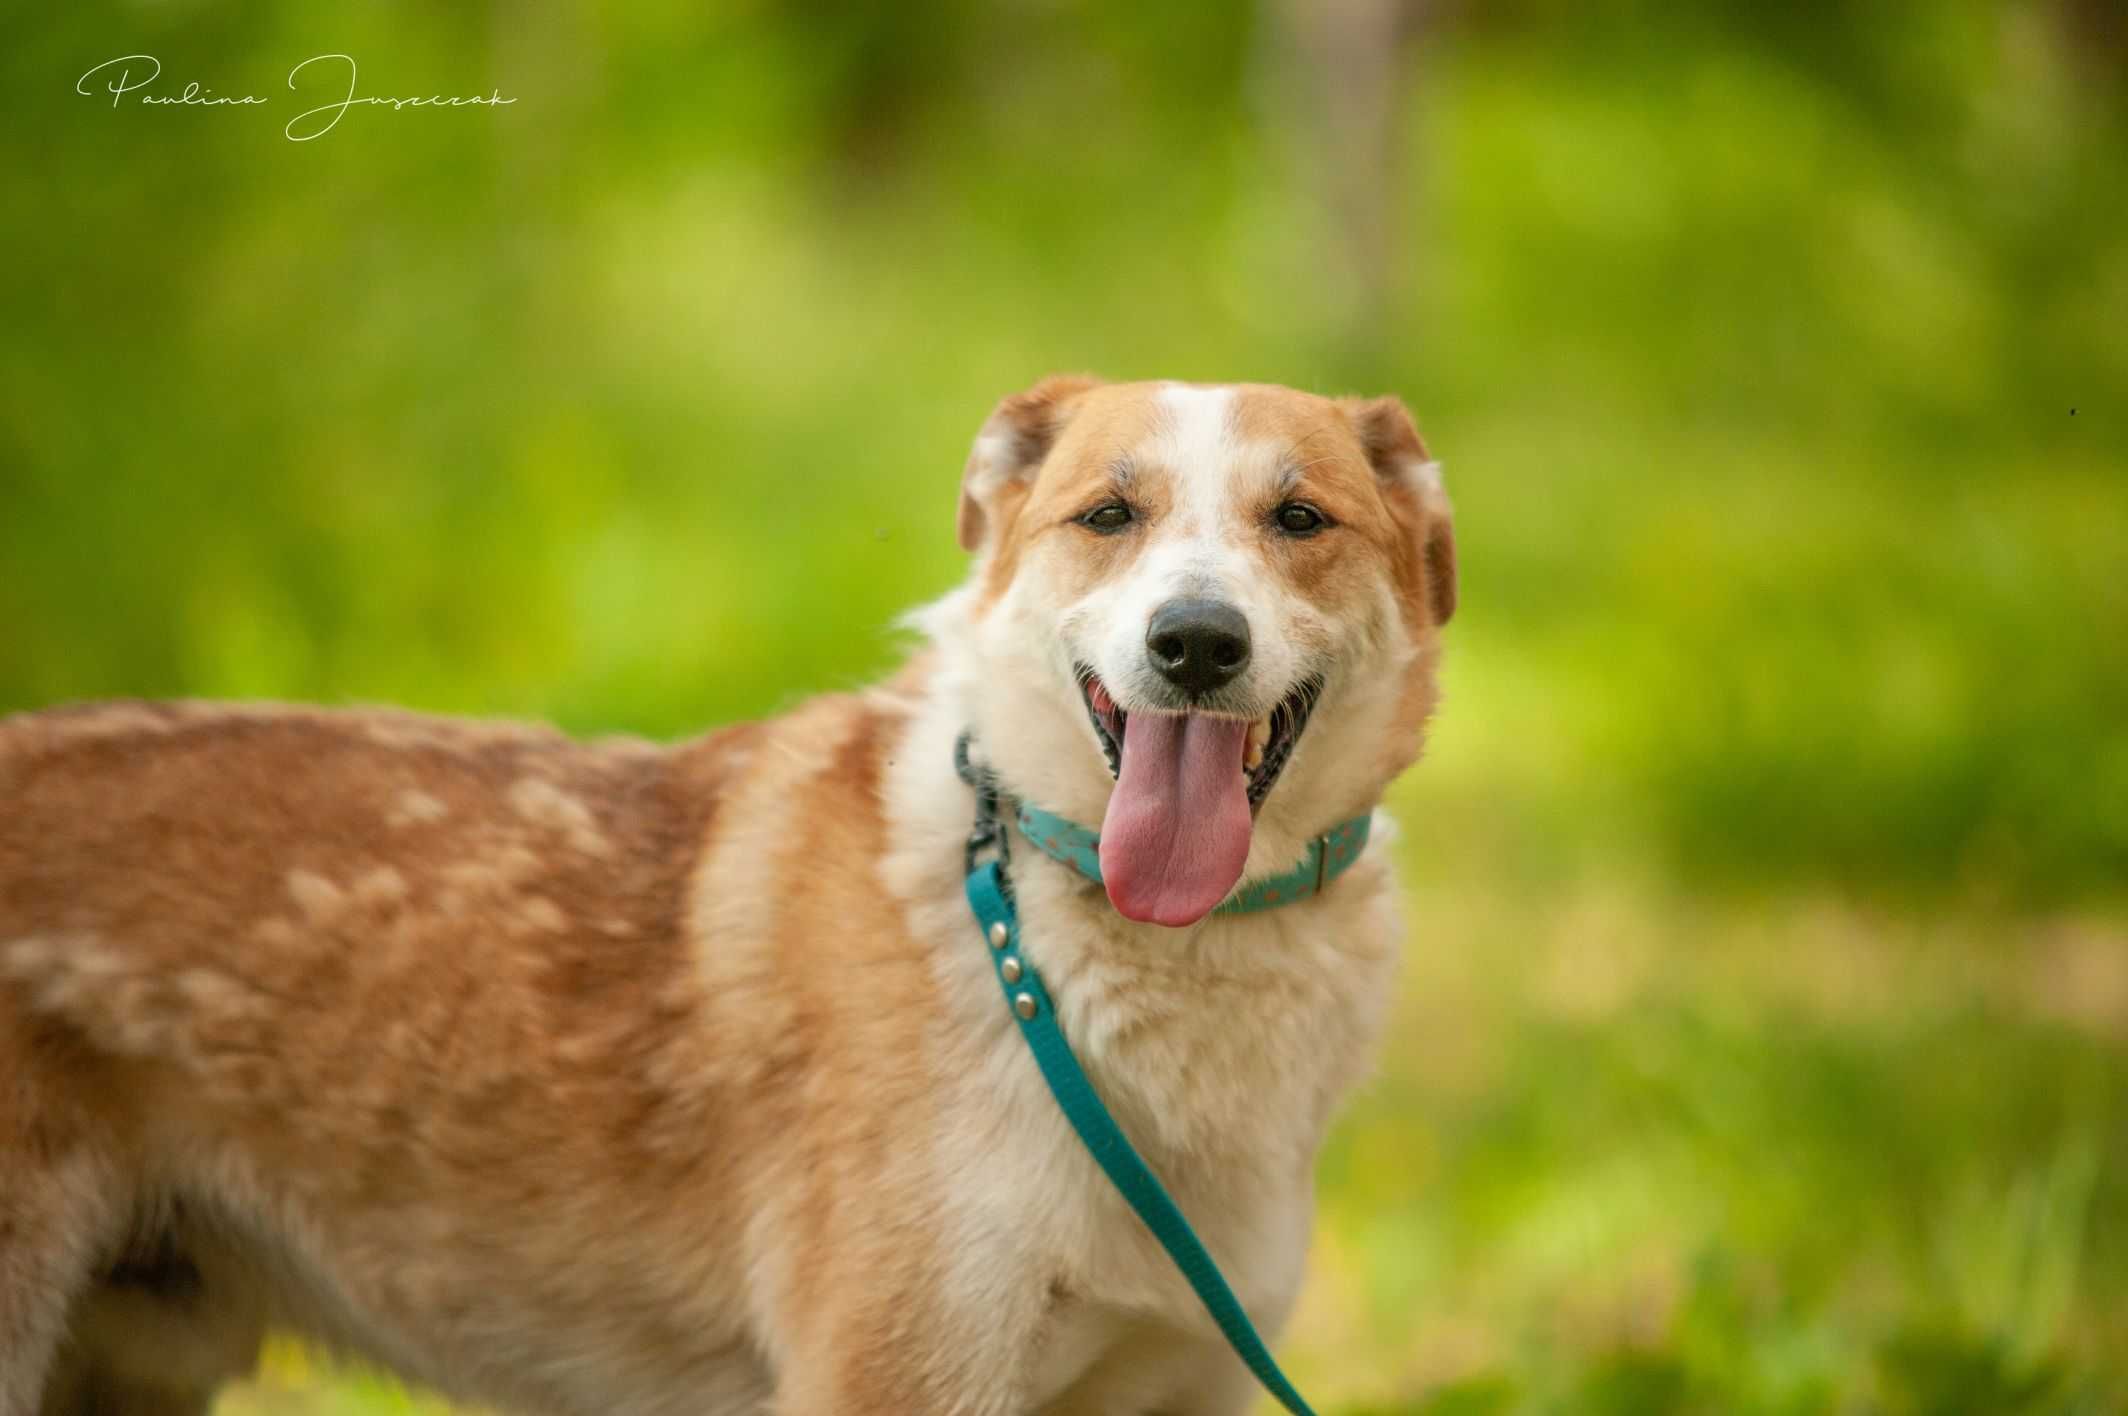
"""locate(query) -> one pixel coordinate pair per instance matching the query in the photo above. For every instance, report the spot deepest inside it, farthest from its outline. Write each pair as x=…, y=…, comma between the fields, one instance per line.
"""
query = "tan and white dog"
x=611, y=1078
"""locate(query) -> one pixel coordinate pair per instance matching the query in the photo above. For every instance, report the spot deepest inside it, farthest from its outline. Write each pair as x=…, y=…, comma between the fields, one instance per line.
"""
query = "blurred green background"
x=1764, y=1040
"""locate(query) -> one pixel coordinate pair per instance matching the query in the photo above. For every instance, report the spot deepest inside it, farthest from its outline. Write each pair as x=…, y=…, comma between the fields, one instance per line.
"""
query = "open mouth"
x=1266, y=747
x=1175, y=838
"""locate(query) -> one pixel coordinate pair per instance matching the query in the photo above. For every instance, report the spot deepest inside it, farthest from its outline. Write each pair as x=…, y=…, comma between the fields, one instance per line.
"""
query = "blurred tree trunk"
x=1338, y=76
x=2098, y=37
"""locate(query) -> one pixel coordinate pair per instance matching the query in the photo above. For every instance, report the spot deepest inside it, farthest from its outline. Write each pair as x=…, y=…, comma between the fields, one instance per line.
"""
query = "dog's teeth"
x=1259, y=734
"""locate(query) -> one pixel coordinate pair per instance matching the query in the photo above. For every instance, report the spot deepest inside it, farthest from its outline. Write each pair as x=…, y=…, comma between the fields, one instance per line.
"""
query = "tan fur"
x=604, y=1077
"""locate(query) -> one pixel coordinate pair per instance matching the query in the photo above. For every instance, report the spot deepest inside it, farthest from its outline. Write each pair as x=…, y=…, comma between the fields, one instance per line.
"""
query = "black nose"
x=1199, y=645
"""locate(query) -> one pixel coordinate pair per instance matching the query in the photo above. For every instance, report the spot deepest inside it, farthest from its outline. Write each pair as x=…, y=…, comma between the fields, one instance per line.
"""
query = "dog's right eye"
x=1113, y=516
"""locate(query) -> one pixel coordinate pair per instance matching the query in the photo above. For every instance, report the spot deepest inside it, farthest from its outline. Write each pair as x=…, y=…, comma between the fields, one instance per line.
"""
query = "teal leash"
x=990, y=896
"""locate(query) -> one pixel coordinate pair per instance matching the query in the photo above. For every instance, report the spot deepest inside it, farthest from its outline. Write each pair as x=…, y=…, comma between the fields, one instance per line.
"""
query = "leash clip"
x=989, y=832
x=986, y=834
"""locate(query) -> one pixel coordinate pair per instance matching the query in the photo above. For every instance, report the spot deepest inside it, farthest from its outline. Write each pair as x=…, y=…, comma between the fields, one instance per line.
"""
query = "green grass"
x=1643, y=1153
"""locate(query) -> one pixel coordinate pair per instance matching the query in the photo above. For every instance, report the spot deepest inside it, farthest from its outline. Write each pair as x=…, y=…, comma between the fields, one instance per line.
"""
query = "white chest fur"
x=1221, y=1050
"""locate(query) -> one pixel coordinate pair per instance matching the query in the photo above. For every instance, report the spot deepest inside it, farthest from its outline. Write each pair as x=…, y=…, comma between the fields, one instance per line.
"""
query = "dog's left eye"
x=1114, y=516
x=1299, y=519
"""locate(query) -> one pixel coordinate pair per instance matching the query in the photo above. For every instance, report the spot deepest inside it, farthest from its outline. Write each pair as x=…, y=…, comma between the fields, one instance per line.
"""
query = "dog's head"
x=1205, y=617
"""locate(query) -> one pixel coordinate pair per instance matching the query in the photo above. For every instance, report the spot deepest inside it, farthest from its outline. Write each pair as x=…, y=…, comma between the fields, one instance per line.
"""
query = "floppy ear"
x=1010, y=448
x=1412, y=482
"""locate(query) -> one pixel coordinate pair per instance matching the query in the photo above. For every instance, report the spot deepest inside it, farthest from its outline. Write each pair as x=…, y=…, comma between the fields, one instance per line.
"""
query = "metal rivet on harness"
x=1010, y=968
x=1024, y=1005
x=999, y=935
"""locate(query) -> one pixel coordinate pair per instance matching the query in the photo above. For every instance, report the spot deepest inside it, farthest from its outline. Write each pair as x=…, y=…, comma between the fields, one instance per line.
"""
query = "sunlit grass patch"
x=294, y=1381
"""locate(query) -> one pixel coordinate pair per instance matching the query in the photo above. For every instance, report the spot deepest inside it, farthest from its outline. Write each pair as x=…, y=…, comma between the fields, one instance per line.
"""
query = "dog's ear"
x=1010, y=448
x=1411, y=480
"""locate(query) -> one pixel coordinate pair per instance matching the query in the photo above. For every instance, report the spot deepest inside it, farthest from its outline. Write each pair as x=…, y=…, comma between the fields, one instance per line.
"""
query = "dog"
x=605, y=1077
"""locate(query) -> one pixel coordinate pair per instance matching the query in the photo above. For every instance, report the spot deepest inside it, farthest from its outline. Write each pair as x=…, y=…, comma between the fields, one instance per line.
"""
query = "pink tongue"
x=1177, y=829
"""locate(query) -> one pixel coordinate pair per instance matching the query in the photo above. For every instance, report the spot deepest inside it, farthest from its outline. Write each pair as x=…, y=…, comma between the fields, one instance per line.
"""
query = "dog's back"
x=165, y=869
x=393, y=955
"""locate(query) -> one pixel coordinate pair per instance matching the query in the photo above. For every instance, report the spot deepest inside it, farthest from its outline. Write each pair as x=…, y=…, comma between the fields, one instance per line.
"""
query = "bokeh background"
x=1764, y=1040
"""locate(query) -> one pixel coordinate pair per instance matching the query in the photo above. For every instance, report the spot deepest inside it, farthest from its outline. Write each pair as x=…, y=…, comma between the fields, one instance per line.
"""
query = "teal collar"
x=1327, y=857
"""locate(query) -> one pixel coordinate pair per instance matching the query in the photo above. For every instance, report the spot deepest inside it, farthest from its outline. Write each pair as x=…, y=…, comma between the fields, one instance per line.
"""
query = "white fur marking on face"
x=1196, y=445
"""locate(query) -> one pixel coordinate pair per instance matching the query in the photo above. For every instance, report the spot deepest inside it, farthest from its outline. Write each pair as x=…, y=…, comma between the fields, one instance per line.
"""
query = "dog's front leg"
x=1219, y=1385
x=879, y=1351
x=882, y=1384
x=856, y=1391
x=52, y=1216
x=859, y=1374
